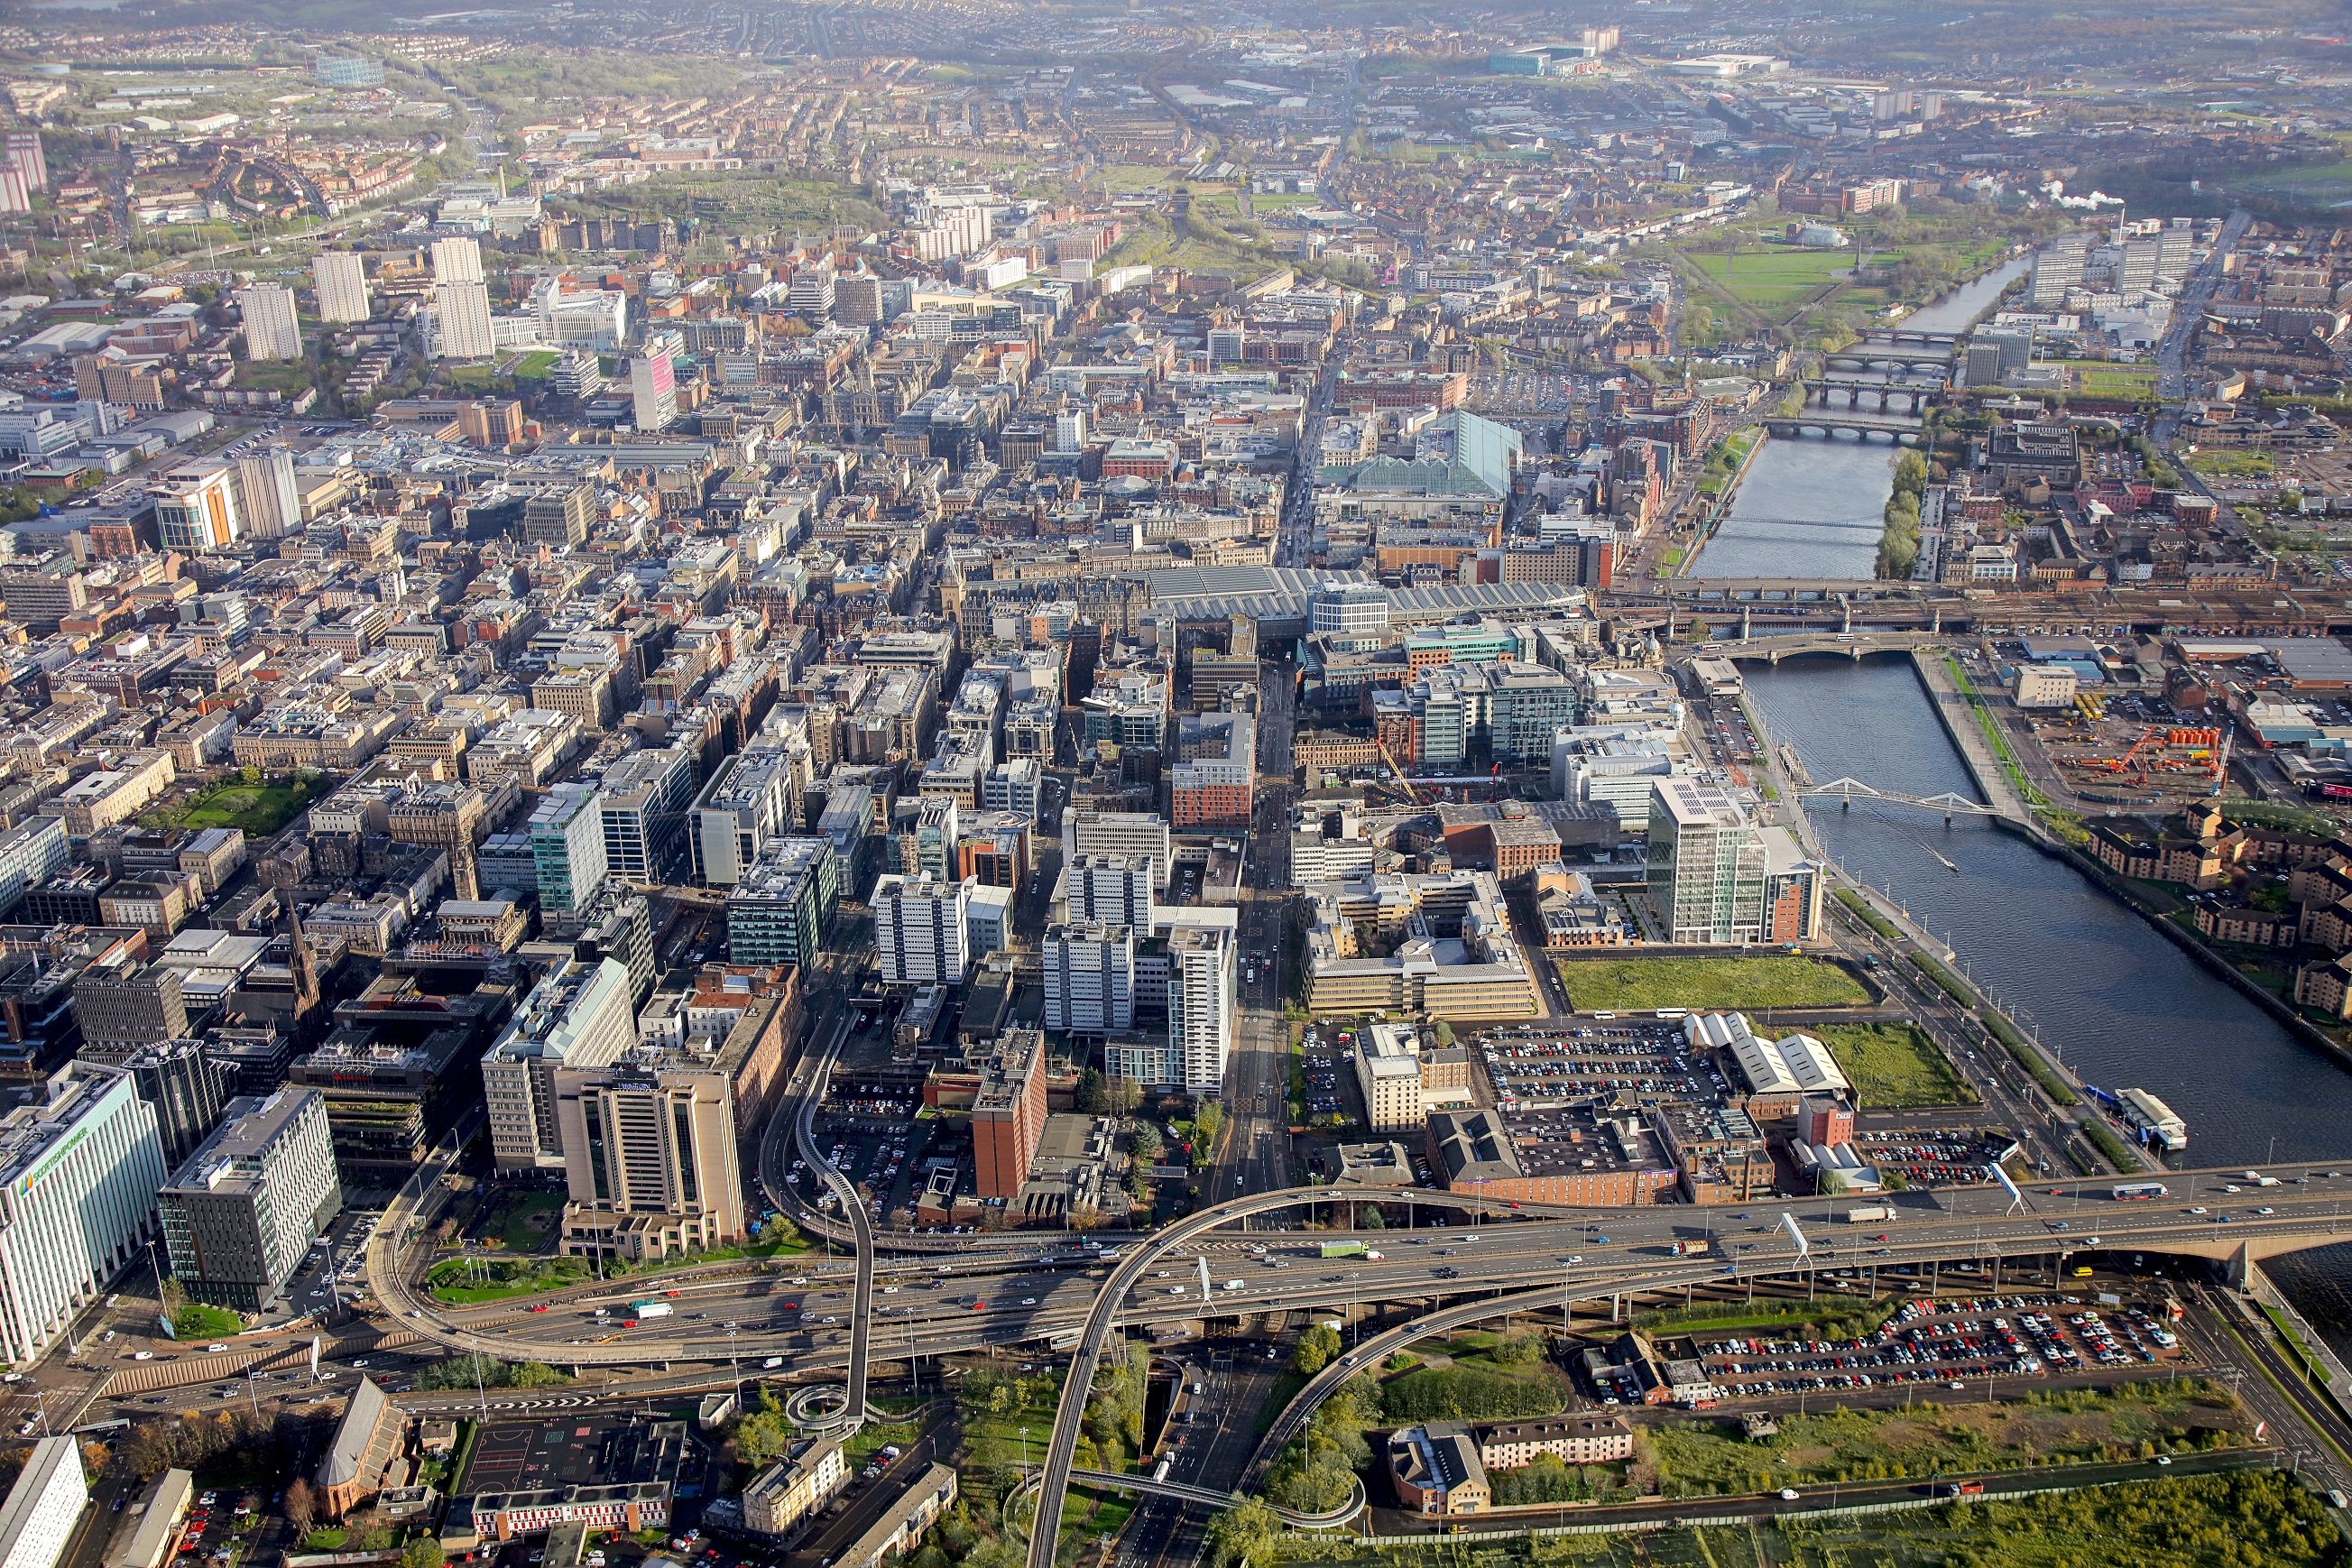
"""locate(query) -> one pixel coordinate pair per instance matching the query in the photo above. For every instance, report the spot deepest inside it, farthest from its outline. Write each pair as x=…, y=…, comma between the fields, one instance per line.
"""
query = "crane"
x=1403, y=783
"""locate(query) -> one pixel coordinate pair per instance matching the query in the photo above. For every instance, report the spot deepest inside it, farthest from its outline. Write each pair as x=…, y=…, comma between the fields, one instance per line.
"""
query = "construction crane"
x=1403, y=783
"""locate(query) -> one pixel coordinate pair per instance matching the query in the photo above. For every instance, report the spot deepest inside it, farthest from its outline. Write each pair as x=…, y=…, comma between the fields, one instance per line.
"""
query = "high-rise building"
x=1008, y=1113
x=750, y=798
x=1706, y=864
x=560, y=517
x=1139, y=833
x=25, y=156
x=239, y=1213
x=1112, y=889
x=349, y=73
x=1201, y=1004
x=35, y=849
x=127, y=1006
x=272, y=332
x=37, y=1521
x=340, y=277
x=2058, y=267
x=185, y=1086
x=643, y=810
x=196, y=511
x=268, y=506
x=461, y=315
x=918, y=930
x=618, y=924
x=579, y=1016
x=653, y=387
x=79, y=1172
x=567, y=847
x=649, y=1156
x=1089, y=978
x=857, y=300
x=782, y=911
x=457, y=260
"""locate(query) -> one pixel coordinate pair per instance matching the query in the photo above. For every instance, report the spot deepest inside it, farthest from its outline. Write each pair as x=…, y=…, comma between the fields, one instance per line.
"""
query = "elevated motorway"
x=2212, y=1215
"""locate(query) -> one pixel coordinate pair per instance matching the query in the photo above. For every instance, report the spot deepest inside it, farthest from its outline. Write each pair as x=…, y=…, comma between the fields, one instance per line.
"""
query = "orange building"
x=1008, y=1114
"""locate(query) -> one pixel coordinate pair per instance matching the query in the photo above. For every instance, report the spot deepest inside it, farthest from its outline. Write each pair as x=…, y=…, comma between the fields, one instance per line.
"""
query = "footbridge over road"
x=1182, y=1493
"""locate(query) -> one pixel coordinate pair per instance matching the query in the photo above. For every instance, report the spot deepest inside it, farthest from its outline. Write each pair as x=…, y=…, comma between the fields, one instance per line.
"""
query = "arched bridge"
x=1787, y=429
x=1871, y=356
x=1825, y=392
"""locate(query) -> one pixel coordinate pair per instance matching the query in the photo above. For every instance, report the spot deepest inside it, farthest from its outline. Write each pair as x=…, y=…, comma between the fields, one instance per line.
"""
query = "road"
x=2172, y=353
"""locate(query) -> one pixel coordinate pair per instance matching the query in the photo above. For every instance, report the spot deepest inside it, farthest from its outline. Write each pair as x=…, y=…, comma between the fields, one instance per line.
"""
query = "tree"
x=175, y=1295
x=1121, y=1096
x=1242, y=1533
x=1090, y=1092
x=1146, y=1144
x=424, y=1551
x=901, y=1218
x=778, y=1231
x=1316, y=1349
x=1207, y=1122
x=301, y=1505
x=1373, y=1220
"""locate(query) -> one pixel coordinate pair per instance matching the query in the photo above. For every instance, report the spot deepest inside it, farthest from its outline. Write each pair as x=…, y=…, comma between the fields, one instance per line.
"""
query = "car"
x=1787, y=1494
x=2199, y=1209
x=1028, y=1301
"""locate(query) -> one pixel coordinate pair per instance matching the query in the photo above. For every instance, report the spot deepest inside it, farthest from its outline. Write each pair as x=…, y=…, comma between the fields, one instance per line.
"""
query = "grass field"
x=2138, y=1420
x=1776, y=278
x=1895, y=1066
x=2230, y=1521
x=259, y=808
x=2233, y=465
x=1636, y=985
x=536, y=366
x=2103, y=378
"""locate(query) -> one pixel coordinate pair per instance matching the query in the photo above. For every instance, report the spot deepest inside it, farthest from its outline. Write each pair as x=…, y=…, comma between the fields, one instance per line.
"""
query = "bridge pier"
x=1747, y=616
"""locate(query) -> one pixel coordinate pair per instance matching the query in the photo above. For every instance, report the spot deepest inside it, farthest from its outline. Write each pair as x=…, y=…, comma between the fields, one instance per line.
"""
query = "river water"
x=1810, y=507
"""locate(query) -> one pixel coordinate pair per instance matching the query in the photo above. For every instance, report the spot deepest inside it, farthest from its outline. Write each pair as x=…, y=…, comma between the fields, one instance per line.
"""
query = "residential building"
x=238, y=1214
x=794, y=1486
x=925, y=1499
x=1008, y=1114
x=1201, y=988
x=1112, y=889
x=1706, y=864
x=1089, y=978
x=79, y=1172
x=340, y=278
x=37, y=1521
x=581, y=1015
x=918, y=930
x=462, y=325
x=272, y=332
x=1436, y=1470
x=457, y=260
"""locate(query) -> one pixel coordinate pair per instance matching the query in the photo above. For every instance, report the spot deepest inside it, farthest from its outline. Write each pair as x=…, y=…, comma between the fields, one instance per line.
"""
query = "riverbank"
x=1719, y=505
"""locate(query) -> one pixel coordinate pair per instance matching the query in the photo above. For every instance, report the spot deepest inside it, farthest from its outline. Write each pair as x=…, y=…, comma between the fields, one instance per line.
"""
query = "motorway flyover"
x=2215, y=1214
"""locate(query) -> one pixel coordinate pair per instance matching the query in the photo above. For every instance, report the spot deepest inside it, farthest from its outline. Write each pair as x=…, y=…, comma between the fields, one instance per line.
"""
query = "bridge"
x=1823, y=390
x=1183, y=1492
x=1789, y=429
x=1909, y=336
x=1848, y=644
x=2039, y=1229
x=1871, y=356
x=1848, y=790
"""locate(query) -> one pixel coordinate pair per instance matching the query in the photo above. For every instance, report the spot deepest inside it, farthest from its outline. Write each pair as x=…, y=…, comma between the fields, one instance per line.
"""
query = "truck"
x=1341, y=1249
x=1686, y=1248
x=1869, y=1214
x=644, y=1309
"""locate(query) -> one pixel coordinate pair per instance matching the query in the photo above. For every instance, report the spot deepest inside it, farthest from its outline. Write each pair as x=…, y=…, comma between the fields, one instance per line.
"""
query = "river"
x=1810, y=507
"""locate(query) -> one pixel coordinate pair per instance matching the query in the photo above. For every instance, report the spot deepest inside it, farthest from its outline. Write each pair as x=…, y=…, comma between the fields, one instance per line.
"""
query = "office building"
x=643, y=810
x=79, y=1174
x=782, y=911
x=461, y=321
x=402, y=1063
x=239, y=1213
x=649, y=1155
x=268, y=506
x=37, y=1521
x=653, y=387
x=750, y=799
x=1706, y=864
x=618, y=924
x=457, y=260
x=1008, y=1113
x=1201, y=1004
x=581, y=1015
x=561, y=518
x=918, y=930
x=196, y=511
x=130, y=1005
x=184, y=1086
x=1089, y=978
x=33, y=851
x=272, y=329
x=567, y=847
x=340, y=278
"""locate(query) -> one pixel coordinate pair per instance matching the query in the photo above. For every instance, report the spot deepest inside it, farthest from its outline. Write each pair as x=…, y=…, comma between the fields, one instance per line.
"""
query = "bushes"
x=1898, y=538
x=1462, y=1393
x=1316, y=1349
x=488, y=1372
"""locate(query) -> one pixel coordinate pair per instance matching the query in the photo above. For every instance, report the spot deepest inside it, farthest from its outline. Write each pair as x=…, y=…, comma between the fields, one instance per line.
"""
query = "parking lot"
x=1931, y=1158
x=1327, y=1072
x=1531, y=1070
x=1951, y=1342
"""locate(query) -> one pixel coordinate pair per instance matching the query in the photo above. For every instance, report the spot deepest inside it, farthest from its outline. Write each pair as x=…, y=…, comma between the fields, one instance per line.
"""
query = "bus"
x=2138, y=1192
